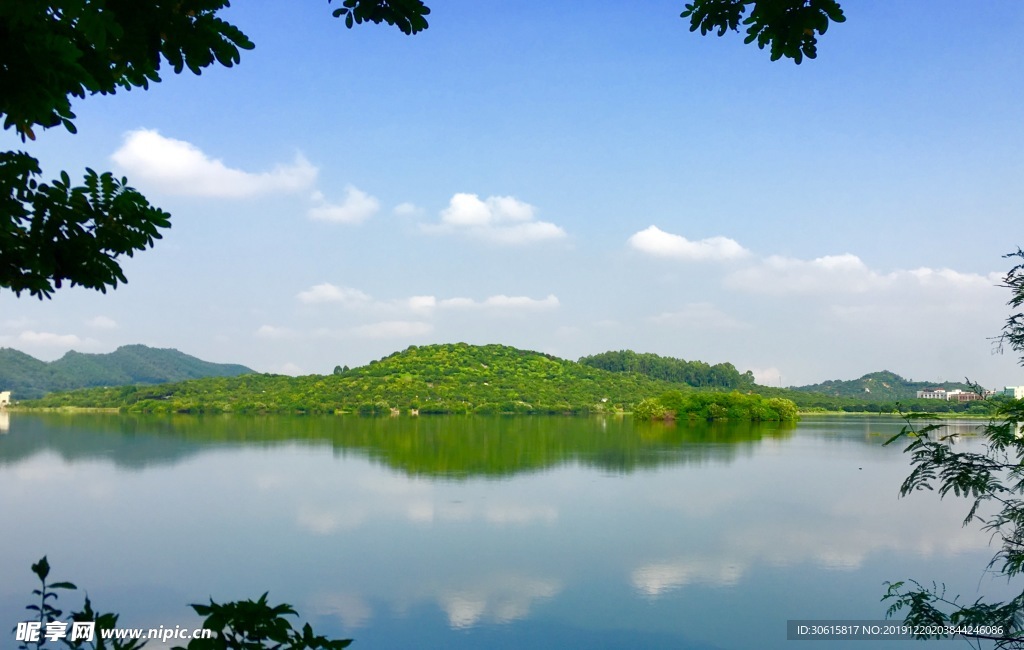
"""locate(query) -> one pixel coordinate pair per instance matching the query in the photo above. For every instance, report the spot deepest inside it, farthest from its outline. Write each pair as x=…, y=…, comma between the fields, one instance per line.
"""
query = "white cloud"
x=499, y=219
x=500, y=599
x=102, y=322
x=407, y=210
x=521, y=302
x=946, y=278
x=353, y=611
x=468, y=210
x=421, y=306
x=501, y=301
x=392, y=329
x=510, y=514
x=657, y=579
x=356, y=207
x=464, y=610
x=179, y=167
x=328, y=292
x=830, y=273
x=459, y=303
x=497, y=302
x=657, y=242
x=325, y=521
x=523, y=233
x=422, y=303
x=767, y=376
x=49, y=339
x=290, y=368
x=847, y=273
x=702, y=315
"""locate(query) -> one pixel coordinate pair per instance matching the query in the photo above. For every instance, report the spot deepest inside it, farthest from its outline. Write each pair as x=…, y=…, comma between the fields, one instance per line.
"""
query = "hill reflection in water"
x=450, y=447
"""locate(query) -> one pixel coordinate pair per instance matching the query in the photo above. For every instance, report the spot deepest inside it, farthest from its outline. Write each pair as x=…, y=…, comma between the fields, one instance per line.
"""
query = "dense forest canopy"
x=692, y=373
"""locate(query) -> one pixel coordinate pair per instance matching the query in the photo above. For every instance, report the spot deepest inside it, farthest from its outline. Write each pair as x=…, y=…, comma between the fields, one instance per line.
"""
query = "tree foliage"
x=693, y=373
x=255, y=625
x=992, y=480
x=235, y=625
x=407, y=15
x=57, y=50
x=52, y=233
x=1013, y=330
x=789, y=28
x=705, y=405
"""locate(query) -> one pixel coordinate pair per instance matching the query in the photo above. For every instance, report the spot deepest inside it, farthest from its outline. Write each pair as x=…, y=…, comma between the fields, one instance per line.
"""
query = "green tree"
x=789, y=28
x=993, y=482
x=649, y=409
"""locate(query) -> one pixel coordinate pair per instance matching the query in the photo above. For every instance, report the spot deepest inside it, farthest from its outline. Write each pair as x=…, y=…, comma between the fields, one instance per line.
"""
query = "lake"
x=472, y=532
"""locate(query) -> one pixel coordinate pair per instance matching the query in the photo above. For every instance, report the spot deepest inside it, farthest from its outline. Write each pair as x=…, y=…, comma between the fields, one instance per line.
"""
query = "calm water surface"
x=478, y=532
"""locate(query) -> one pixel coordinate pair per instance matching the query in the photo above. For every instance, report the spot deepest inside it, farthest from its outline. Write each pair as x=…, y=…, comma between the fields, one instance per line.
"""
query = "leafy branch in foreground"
x=45, y=612
x=994, y=475
x=1013, y=330
x=52, y=233
x=790, y=28
x=254, y=624
x=236, y=625
x=993, y=481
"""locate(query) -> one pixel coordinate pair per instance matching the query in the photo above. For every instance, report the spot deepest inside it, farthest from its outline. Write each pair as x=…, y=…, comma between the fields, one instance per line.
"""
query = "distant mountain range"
x=29, y=378
x=878, y=387
x=881, y=386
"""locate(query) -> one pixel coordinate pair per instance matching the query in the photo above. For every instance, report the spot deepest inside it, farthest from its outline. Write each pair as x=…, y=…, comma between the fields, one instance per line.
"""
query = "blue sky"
x=572, y=181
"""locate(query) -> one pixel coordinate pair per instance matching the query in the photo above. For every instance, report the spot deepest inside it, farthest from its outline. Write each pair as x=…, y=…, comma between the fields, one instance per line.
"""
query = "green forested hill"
x=881, y=386
x=451, y=378
x=461, y=378
x=29, y=378
x=23, y=375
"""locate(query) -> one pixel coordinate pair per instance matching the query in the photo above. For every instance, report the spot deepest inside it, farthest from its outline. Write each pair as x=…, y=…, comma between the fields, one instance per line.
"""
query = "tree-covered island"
x=453, y=379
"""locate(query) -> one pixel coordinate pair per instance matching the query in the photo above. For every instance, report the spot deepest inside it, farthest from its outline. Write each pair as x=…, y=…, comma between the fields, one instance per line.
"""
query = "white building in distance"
x=957, y=395
x=1016, y=392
